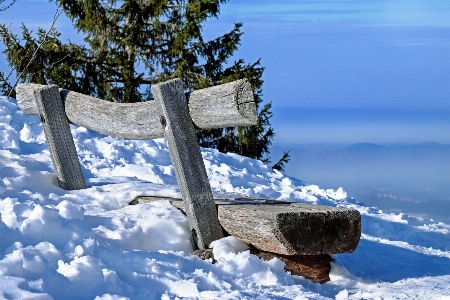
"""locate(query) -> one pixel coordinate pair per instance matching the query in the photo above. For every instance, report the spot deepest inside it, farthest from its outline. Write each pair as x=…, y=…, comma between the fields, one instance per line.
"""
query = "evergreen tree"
x=132, y=44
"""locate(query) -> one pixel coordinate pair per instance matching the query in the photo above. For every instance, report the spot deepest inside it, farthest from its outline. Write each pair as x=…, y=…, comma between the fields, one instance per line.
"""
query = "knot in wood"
x=162, y=120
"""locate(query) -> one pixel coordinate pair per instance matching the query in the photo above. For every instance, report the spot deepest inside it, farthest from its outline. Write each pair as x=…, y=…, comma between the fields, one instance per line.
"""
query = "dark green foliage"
x=54, y=62
x=132, y=44
x=5, y=87
x=280, y=164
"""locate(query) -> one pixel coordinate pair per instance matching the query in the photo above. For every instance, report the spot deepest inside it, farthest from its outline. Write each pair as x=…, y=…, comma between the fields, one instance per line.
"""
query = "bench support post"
x=188, y=162
x=59, y=138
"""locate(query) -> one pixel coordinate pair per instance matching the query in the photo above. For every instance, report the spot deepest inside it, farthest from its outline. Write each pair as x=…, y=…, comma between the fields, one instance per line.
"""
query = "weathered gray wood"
x=231, y=104
x=25, y=97
x=289, y=229
x=130, y=121
x=59, y=138
x=178, y=203
x=226, y=105
x=188, y=162
x=296, y=229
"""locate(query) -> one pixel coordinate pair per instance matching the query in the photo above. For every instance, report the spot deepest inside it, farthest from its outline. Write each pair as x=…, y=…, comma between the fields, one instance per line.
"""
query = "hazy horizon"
x=399, y=177
x=297, y=125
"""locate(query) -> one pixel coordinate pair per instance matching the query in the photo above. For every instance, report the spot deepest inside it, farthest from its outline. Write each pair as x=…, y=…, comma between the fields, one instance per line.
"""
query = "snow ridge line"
x=405, y=245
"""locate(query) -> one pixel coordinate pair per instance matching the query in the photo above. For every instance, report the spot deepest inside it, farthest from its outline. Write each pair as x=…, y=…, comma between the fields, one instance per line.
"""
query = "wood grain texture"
x=59, y=138
x=231, y=104
x=225, y=105
x=288, y=229
x=188, y=162
x=130, y=121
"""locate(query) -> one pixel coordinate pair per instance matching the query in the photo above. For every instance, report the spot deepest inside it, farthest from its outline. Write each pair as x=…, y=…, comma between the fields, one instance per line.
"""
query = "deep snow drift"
x=90, y=244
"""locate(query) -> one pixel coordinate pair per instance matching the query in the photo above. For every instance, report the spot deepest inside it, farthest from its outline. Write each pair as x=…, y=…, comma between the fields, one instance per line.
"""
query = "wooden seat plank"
x=288, y=229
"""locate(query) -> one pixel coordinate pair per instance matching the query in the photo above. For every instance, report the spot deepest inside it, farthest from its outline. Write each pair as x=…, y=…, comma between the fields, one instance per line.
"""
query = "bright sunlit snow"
x=90, y=244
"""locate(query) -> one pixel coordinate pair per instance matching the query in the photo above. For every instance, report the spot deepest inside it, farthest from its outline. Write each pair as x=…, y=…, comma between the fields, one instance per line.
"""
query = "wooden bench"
x=302, y=235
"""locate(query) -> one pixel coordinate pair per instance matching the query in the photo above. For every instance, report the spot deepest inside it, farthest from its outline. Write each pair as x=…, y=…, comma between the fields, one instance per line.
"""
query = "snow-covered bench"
x=169, y=116
x=288, y=230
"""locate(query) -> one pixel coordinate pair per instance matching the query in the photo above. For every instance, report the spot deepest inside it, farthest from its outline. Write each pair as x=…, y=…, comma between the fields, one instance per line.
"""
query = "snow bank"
x=90, y=244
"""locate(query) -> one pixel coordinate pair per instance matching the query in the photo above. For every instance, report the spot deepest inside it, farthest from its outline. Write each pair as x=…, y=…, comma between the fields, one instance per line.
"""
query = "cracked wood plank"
x=288, y=229
x=226, y=105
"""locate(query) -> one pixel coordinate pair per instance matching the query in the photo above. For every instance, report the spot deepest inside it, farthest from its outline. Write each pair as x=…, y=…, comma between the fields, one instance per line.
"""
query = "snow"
x=90, y=244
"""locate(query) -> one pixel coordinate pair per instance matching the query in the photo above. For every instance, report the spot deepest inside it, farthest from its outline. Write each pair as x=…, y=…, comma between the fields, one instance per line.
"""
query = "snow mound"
x=90, y=244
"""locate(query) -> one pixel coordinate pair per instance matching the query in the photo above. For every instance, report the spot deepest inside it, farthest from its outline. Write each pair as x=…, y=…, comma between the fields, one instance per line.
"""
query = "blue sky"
x=357, y=54
x=347, y=57
x=350, y=71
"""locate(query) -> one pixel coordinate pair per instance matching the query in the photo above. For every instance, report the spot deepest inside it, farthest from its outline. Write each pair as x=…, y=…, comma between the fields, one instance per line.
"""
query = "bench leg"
x=188, y=162
x=59, y=138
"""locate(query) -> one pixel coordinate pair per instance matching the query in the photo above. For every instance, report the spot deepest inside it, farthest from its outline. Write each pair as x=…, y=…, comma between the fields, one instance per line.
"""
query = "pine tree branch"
x=23, y=57
x=230, y=133
x=31, y=75
x=57, y=14
x=7, y=6
x=279, y=166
